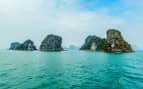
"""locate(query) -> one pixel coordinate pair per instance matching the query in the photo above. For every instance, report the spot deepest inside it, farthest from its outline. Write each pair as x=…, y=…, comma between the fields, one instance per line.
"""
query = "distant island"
x=71, y=47
x=52, y=43
x=113, y=43
x=26, y=45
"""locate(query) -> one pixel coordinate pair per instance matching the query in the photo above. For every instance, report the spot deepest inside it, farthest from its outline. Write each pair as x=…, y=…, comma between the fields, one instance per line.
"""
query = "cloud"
x=23, y=19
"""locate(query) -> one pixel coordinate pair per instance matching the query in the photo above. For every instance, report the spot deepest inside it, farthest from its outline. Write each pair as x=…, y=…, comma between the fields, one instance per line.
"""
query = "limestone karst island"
x=113, y=43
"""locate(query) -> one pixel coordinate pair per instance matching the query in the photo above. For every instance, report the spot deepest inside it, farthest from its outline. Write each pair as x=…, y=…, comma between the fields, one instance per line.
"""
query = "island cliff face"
x=116, y=43
x=93, y=43
x=14, y=45
x=51, y=43
x=28, y=45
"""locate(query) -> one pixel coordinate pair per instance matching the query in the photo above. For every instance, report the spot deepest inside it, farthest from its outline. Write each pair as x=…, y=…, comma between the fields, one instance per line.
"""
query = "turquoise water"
x=70, y=70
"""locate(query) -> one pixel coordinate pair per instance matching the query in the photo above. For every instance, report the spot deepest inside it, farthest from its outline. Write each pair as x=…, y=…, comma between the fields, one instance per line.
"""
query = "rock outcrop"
x=116, y=43
x=27, y=45
x=93, y=43
x=51, y=43
x=14, y=45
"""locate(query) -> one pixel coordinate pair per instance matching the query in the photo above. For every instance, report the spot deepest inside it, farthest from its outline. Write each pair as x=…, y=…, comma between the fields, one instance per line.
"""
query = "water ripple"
x=71, y=70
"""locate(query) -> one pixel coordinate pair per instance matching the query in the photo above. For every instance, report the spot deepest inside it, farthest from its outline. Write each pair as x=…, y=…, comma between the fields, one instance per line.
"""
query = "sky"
x=74, y=20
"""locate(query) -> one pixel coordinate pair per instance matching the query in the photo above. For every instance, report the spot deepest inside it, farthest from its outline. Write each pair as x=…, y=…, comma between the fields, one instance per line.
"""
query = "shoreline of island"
x=113, y=43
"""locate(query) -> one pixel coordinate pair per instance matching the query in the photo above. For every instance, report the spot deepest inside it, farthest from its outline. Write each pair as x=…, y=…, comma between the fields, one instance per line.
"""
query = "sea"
x=71, y=69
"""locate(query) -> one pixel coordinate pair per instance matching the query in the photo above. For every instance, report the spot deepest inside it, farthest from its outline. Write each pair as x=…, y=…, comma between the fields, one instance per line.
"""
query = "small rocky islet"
x=27, y=45
x=116, y=43
x=51, y=43
x=113, y=43
x=94, y=43
x=14, y=45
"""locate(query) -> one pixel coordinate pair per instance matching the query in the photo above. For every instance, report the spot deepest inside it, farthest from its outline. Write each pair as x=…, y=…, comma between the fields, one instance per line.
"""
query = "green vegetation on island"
x=114, y=43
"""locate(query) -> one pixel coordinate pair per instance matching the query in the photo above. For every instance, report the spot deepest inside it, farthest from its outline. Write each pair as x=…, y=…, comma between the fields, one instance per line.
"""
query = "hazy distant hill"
x=71, y=47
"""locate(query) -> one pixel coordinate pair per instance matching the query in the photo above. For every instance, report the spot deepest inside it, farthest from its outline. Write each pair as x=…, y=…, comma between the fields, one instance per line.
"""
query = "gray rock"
x=14, y=45
x=93, y=43
x=116, y=43
x=27, y=45
x=51, y=43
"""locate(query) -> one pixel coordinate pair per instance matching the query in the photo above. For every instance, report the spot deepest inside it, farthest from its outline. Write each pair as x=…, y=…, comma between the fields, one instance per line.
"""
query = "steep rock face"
x=14, y=45
x=93, y=43
x=27, y=45
x=116, y=43
x=51, y=43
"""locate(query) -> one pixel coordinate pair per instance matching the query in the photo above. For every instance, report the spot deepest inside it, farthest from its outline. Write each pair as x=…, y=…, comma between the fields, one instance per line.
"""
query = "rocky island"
x=93, y=43
x=51, y=43
x=14, y=45
x=27, y=45
x=114, y=43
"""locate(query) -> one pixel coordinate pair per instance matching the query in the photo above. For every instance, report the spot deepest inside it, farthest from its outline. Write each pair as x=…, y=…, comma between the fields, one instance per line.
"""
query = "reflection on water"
x=70, y=70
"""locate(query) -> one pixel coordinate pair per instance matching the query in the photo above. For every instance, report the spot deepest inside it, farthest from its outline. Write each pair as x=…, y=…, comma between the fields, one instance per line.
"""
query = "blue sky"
x=74, y=20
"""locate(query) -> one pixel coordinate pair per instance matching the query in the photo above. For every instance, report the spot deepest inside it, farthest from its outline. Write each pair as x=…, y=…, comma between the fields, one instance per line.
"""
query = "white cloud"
x=36, y=18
